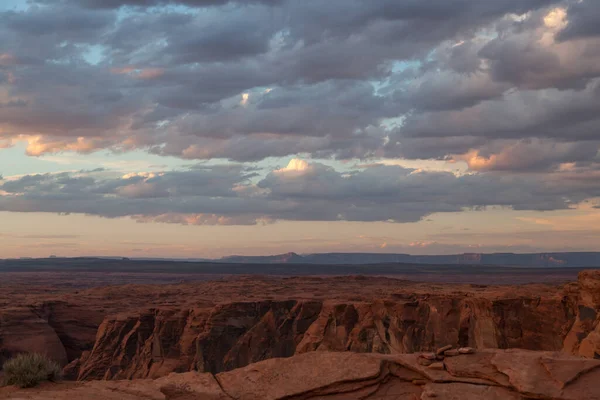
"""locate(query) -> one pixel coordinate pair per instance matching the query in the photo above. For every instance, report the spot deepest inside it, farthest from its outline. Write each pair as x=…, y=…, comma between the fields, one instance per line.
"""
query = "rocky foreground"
x=448, y=375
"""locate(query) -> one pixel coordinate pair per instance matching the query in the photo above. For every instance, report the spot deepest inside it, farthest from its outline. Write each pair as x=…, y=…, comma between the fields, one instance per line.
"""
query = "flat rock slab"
x=478, y=365
x=285, y=377
x=564, y=371
x=487, y=374
x=465, y=391
x=191, y=385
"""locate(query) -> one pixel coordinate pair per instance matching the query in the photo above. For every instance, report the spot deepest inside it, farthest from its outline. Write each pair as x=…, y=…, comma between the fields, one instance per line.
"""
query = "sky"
x=205, y=128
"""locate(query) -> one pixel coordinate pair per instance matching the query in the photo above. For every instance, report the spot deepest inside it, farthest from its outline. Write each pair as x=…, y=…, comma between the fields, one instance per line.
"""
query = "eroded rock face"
x=59, y=330
x=22, y=330
x=199, y=327
x=234, y=335
x=487, y=374
x=584, y=336
x=74, y=325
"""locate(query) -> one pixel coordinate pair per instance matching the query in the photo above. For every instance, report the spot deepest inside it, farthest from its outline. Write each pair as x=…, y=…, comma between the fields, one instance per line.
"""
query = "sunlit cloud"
x=295, y=165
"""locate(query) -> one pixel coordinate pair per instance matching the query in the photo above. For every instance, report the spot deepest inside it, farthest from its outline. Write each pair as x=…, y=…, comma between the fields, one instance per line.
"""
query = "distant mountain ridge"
x=532, y=260
x=558, y=259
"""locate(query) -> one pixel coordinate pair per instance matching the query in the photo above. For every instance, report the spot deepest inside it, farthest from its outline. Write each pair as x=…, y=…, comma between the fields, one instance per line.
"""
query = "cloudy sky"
x=201, y=128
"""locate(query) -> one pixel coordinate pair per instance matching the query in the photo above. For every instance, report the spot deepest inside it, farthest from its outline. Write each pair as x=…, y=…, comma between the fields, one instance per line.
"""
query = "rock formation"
x=234, y=335
x=149, y=331
x=486, y=374
x=584, y=337
x=22, y=330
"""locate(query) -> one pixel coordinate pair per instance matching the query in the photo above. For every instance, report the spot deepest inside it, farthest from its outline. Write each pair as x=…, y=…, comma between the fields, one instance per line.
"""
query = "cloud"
x=150, y=3
x=87, y=74
x=583, y=19
x=529, y=155
x=561, y=116
x=509, y=88
x=235, y=195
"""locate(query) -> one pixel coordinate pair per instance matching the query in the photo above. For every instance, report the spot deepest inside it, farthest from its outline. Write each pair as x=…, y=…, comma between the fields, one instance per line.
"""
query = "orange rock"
x=152, y=330
x=441, y=350
x=437, y=366
x=350, y=376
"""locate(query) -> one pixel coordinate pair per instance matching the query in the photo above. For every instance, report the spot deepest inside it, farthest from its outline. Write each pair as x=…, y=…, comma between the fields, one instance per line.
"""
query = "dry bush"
x=28, y=370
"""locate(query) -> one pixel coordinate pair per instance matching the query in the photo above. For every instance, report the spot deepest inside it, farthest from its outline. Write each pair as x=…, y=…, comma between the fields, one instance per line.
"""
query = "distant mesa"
x=564, y=259
x=275, y=259
x=532, y=260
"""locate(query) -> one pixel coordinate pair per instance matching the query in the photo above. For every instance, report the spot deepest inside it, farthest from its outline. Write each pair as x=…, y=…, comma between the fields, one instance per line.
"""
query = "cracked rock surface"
x=484, y=374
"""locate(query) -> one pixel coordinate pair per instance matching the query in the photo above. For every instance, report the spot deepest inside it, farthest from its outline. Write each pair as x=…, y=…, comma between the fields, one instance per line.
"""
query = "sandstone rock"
x=425, y=362
x=589, y=288
x=438, y=366
x=22, y=331
x=191, y=385
x=465, y=391
x=452, y=353
x=565, y=371
x=466, y=350
x=350, y=376
x=478, y=365
x=75, y=325
x=186, y=332
x=156, y=342
x=283, y=378
x=428, y=356
x=584, y=336
x=526, y=373
x=441, y=350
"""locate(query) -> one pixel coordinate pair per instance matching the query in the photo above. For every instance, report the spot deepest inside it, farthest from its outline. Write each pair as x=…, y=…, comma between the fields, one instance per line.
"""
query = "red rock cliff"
x=234, y=335
x=584, y=337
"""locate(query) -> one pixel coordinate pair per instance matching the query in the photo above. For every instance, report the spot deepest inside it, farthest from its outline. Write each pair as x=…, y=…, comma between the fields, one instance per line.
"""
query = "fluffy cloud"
x=511, y=88
x=95, y=72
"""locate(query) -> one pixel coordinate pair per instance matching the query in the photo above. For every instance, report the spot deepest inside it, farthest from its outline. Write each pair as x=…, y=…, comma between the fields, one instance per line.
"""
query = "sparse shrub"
x=28, y=370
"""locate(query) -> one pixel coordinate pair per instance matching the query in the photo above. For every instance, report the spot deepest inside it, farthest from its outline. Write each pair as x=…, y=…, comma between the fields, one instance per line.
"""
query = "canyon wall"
x=114, y=343
x=584, y=337
x=234, y=335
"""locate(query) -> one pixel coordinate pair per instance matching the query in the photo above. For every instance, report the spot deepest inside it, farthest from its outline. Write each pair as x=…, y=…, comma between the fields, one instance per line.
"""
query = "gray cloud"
x=111, y=4
x=170, y=88
x=301, y=191
x=583, y=20
x=511, y=87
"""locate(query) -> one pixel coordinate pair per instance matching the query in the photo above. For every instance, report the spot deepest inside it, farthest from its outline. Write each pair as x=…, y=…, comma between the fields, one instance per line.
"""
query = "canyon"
x=141, y=331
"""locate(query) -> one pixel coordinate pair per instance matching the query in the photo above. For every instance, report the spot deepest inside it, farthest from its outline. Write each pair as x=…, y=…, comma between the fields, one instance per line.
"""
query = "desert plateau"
x=304, y=337
x=299, y=199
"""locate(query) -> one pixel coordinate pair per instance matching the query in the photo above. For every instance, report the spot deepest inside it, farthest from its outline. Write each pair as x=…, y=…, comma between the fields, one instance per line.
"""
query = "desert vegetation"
x=30, y=369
